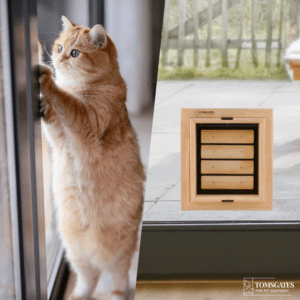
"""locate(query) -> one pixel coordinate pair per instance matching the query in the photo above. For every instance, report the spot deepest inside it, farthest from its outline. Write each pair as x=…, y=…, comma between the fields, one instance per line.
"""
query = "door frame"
x=219, y=250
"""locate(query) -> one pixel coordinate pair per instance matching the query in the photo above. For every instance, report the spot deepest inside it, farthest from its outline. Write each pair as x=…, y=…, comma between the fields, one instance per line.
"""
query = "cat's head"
x=83, y=55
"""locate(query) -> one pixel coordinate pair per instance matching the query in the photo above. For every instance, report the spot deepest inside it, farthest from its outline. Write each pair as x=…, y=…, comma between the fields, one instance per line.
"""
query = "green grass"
x=245, y=73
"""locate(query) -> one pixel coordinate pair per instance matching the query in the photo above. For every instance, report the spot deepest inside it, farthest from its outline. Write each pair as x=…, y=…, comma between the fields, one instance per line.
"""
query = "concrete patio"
x=163, y=199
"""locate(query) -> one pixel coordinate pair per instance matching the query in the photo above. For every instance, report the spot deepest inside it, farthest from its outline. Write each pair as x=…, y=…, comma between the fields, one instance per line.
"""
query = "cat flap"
x=226, y=159
x=98, y=36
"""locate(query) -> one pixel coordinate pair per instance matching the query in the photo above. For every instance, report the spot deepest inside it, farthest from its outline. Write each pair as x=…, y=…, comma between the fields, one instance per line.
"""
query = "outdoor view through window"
x=225, y=54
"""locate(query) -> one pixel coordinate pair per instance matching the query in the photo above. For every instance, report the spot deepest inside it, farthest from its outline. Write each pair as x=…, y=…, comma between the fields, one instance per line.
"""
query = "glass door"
x=220, y=55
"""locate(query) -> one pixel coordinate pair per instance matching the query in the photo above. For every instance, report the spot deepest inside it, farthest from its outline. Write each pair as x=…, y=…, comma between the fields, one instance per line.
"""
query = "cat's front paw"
x=45, y=76
x=47, y=111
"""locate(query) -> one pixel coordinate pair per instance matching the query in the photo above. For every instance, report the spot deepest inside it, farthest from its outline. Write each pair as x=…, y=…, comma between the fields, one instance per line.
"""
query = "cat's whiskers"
x=46, y=50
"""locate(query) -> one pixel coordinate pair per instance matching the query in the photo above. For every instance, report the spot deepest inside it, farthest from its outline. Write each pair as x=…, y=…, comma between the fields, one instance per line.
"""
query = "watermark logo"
x=267, y=286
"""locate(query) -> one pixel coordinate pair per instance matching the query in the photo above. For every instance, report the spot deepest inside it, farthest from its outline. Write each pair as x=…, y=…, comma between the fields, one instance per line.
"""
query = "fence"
x=188, y=26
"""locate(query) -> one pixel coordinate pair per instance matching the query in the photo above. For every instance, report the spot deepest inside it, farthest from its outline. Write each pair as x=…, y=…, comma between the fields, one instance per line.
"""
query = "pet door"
x=226, y=159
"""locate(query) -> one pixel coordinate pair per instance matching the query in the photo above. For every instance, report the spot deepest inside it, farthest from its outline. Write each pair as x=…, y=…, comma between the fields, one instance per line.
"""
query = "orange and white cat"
x=97, y=175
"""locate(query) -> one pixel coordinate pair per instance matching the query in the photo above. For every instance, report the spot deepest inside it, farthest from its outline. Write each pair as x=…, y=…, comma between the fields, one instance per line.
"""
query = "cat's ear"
x=98, y=36
x=66, y=23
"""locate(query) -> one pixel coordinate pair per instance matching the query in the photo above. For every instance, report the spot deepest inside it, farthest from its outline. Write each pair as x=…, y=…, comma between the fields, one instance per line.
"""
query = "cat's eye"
x=75, y=53
x=60, y=48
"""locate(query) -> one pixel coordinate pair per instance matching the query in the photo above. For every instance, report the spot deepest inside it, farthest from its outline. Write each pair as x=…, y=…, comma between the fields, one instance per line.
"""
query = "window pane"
x=220, y=47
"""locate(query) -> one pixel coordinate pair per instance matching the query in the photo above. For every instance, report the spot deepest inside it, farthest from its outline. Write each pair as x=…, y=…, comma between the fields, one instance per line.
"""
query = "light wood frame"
x=189, y=198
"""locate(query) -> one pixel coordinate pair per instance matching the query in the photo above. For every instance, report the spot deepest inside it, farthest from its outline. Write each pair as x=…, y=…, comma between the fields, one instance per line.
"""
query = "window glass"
x=226, y=54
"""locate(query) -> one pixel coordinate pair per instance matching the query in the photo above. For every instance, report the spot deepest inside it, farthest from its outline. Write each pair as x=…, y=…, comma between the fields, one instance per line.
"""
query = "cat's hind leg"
x=87, y=279
x=119, y=272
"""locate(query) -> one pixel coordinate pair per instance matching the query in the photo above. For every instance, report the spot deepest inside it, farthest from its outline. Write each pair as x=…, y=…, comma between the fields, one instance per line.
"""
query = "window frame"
x=219, y=250
x=97, y=12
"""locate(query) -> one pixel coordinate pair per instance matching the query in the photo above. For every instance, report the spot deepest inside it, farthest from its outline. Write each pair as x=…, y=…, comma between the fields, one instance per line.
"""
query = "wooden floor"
x=192, y=290
x=202, y=290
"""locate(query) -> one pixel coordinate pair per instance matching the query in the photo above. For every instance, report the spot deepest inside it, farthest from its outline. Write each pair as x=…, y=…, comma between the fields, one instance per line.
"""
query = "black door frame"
x=97, y=12
x=219, y=250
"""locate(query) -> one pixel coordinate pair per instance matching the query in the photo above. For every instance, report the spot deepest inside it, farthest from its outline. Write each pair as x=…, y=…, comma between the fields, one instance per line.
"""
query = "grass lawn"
x=245, y=71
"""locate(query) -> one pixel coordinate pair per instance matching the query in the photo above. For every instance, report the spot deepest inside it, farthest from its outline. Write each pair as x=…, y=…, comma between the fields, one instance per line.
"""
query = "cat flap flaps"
x=67, y=24
x=98, y=36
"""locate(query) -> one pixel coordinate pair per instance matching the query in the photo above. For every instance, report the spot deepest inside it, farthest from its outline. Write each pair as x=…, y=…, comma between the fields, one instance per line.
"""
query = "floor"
x=142, y=125
x=163, y=200
x=200, y=290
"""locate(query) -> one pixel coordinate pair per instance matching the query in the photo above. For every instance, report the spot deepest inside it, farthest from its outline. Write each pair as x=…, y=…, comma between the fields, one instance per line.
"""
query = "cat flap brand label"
x=227, y=161
x=200, y=112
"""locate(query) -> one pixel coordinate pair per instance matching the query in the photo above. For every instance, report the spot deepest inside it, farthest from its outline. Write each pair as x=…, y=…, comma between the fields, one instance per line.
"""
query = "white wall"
x=128, y=22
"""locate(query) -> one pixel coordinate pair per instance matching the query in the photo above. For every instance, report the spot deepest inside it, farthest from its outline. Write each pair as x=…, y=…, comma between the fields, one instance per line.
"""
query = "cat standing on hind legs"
x=97, y=175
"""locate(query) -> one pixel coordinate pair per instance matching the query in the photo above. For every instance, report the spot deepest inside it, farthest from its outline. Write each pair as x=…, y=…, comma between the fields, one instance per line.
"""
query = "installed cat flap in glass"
x=225, y=159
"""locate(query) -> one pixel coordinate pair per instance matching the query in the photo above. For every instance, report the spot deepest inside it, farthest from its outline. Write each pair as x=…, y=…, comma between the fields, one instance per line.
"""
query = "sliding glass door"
x=198, y=37
x=22, y=193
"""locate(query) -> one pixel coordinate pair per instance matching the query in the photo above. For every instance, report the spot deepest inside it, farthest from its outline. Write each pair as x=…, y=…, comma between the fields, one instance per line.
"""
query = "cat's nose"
x=62, y=58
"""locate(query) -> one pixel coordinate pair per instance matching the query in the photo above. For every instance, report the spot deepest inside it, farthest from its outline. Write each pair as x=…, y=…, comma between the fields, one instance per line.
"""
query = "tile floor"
x=162, y=200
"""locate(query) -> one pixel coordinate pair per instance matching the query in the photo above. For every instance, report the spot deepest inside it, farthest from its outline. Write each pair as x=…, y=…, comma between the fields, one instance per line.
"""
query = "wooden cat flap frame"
x=226, y=159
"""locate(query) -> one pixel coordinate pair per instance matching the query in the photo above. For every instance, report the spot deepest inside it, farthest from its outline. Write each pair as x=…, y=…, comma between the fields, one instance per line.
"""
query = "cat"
x=97, y=174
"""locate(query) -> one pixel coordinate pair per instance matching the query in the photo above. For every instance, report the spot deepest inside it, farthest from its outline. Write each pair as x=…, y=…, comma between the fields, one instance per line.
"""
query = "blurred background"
x=241, y=39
